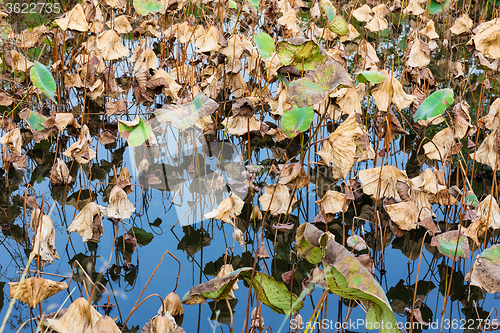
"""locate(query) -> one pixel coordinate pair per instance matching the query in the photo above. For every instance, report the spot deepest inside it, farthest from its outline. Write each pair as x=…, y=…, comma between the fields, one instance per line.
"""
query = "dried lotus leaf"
x=79, y=316
x=382, y=181
x=403, y=214
x=228, y=209
x=34, y=290
x=277, y=199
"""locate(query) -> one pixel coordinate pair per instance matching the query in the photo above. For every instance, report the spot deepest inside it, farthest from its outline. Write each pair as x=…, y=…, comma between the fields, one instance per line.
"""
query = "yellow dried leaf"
x=487, y=39
x=492, y=120
x=208, y=41
x=237, y=125
x=289, y=20
x=13, y=140
x=119, y=206
x=440, y=146
x=59, y=173
x=362, y=14
x=488, y=151
x=110, y=46
x=83, y=222
x=419, y=55
x=80, y=151
x=430, y=30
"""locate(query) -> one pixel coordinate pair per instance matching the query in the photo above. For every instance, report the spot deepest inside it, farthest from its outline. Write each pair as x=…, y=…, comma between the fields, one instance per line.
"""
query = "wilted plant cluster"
x=323, y=135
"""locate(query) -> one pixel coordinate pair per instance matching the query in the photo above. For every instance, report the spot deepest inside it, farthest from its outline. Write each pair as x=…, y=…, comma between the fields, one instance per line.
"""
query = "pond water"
x=202, y=244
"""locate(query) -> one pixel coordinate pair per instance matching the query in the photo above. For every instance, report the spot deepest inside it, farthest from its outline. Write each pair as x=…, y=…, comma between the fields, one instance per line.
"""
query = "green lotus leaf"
x=274, y=294
x=271, y=292
x=218, y=288
x=369, y=76
x=348, y=278
x=136, y=132
x=265, y=44
x=142, y=236
x=255, y=4
x=437, y=7
x=43, y=80
x=297, y=120
x=328, y=8
x=434, y=105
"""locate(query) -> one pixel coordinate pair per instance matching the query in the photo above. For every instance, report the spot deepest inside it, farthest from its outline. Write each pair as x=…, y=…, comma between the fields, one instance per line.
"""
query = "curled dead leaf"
x=293, y=175
x=227, y=210
x=13, y=141
x=59, y=173
x=79, y=316
x=88, y=223
x=403, y=214
x=74, y=20
x=80, y=151
x=391, y=90
x=34, y=290
x=382, y=181
x=44, y=242
x=345, y=146
x=119, y=206
x=277, y=199
x=333, y=202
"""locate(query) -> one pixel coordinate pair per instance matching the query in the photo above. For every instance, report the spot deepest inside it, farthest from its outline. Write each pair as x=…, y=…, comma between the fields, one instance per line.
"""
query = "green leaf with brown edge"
x=218, y=288
x=255, y=4
x=307, y=243
x=338, y=25
x=318, y=84
x=274, y=294
x=486, y=270
x=271, y=292
x=348, y=278
x=304, y=54
x=34, y=119
x=447, y=244
x=185, y=115
x=328, y=9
